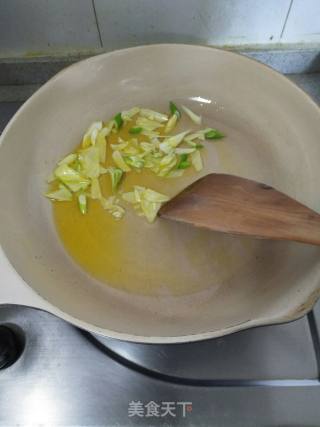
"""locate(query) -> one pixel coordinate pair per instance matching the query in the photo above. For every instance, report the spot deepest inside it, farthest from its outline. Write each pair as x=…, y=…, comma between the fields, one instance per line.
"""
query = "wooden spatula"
x=237, y=205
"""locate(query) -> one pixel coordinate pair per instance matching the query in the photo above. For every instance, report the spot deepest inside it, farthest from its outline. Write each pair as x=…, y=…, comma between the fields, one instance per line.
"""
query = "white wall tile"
x=303, y=24
x=27, y=26
x=129, y=22
x=46, y=26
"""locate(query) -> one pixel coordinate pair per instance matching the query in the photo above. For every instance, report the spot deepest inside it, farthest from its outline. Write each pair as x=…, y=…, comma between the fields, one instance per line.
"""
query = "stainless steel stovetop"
x=263, y=377
x=63, y=376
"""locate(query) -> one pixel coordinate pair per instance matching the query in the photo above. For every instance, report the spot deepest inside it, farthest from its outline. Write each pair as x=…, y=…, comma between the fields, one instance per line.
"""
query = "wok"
x=273, y=134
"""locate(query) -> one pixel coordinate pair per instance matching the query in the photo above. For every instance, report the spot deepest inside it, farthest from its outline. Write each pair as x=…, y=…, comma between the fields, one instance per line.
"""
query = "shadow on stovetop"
x=252, y=358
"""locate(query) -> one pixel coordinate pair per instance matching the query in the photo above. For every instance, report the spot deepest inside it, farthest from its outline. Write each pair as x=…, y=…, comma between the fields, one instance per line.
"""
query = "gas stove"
x=53, y=374
x=64, y=376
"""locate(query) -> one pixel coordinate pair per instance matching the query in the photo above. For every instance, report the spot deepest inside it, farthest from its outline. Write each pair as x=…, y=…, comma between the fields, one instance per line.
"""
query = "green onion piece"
x=183, y=162
x=119, y=161
x=82, y=203
x=199, y=146
x=116, y=175
x=101, y=143
x=77, y=165
x=171, y=123
x=146, y=201
x=111, y=205
x=118, y=120
x=60, y=195
x=196, y=160
x=71, y=178
x=184, y=150
x=135, y=130
x=153, y=115
x=174, y=109
x=90, y=136
x=89, y=160
x=95, y=189
x=129, y=197
x=213, y=134
x=183, y=157
x=128, y=114
x=172, y=142
x=175, y=174
x=194, y=117
x=147, y=124
x=134, y=161
x=119, y=146
x=184, y=165
x=68, y=159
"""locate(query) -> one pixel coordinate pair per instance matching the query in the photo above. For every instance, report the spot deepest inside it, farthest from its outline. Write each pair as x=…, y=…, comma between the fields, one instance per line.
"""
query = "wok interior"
x=272, y=136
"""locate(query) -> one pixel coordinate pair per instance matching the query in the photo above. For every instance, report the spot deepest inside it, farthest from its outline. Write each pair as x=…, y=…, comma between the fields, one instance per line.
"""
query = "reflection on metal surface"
x=38, y=406
x=234, y=360
x=66, y=377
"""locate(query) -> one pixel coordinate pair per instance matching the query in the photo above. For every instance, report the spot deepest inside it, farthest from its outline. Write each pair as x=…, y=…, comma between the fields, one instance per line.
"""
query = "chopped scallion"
x=82, y=203
x=199, y=146
x=116, y=175
x=213, y=134
x=174, y=109
x=135, y=130
x=194, y=117
x=171, y=123
x=118, y=120
x=156, y=149
x=134, y=161
x=196, y=161
x=119, y=161
x=60, y=195
x=183, y=162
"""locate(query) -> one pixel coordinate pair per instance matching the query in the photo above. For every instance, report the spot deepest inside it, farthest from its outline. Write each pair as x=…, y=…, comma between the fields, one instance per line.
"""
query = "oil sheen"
x=163, y=258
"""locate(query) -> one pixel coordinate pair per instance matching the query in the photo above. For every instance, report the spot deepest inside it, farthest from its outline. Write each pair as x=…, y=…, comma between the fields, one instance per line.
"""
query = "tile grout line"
x=286, y=19
x=315, y=338
x=97, y=23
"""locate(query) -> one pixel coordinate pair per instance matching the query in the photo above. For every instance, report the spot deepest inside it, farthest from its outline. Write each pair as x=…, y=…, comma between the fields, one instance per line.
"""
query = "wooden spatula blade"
x=235, y=205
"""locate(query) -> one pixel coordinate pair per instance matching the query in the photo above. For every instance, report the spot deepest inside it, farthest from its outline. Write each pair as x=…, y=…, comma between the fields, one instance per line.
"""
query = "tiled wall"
x=31, y=27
